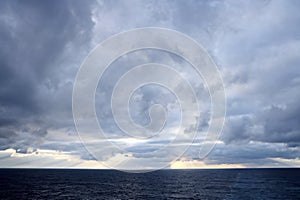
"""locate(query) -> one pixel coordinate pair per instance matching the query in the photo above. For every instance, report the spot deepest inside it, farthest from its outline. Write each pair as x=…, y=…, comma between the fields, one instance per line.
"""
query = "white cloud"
x=45, y=159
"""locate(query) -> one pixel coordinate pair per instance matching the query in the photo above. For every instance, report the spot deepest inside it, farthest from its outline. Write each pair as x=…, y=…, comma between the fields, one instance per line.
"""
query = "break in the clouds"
x=256, y=45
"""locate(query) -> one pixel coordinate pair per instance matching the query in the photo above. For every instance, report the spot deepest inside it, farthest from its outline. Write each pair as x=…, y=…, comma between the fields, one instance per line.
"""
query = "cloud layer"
x=256, y=45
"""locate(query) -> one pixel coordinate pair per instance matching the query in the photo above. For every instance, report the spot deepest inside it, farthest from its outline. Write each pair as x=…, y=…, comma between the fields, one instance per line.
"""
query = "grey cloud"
x=255, y=43
x=282, y=124
x=252, y=154
x=34, y=38
x=260, y=65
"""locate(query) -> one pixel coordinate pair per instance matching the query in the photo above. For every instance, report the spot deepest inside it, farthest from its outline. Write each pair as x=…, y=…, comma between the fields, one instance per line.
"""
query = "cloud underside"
x=256, y=45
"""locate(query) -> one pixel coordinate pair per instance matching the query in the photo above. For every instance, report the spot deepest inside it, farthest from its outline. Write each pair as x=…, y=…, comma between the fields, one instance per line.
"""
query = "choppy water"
x=164, y=184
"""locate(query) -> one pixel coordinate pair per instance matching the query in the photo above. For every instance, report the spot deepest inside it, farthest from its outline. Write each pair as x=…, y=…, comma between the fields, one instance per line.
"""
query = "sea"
x=163, y=184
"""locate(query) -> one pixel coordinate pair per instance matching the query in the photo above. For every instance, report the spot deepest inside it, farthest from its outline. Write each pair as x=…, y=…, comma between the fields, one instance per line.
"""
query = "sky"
x=255, y=45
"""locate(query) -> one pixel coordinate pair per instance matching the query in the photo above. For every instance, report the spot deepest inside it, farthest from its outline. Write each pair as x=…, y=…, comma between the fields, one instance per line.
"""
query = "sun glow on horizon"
x=195, y=164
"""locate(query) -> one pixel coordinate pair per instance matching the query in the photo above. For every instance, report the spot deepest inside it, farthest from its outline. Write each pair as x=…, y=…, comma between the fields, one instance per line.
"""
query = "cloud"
x=247, y=154
x=36, y=73
x=45, y=159
x=254, y=43
x=262, y=75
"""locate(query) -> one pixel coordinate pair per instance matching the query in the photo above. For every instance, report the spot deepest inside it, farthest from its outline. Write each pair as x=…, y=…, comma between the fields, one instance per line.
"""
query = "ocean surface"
x=164, y=184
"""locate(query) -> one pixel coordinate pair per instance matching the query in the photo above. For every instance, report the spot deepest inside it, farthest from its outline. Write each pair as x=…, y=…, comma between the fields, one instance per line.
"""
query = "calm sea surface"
x=164, y=184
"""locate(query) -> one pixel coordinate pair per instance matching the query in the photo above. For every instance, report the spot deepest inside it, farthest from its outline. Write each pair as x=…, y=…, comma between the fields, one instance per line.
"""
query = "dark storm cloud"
x=34, y=38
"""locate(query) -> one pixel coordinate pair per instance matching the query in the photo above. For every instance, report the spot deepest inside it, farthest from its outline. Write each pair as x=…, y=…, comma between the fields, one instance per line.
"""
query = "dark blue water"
x=164, y=184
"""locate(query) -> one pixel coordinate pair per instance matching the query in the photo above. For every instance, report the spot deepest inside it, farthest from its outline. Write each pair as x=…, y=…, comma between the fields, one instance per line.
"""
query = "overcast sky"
x=255, y=44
